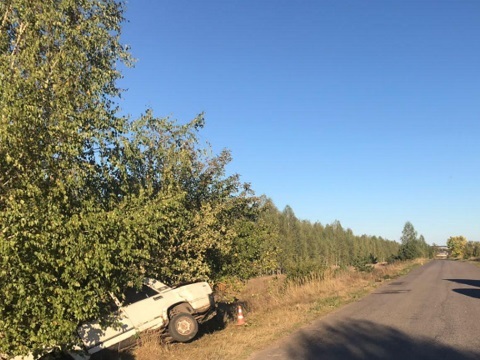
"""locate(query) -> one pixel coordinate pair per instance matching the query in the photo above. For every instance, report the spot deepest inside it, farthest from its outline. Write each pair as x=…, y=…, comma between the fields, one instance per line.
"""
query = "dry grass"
x=475, y=261
x=273, y=308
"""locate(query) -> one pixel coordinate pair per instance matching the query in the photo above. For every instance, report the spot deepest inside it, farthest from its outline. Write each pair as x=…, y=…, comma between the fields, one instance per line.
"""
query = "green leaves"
x=457, y=246
x=304, y=249
x=57, y=66
x=91, y=202
x=412, y=247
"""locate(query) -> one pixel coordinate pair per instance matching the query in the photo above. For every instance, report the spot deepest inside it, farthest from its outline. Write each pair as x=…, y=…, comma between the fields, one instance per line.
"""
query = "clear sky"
x=366, y=112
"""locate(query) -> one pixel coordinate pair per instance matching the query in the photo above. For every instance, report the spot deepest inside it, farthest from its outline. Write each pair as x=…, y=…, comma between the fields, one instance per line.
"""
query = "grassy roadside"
x=273, y=308
x=474, y=261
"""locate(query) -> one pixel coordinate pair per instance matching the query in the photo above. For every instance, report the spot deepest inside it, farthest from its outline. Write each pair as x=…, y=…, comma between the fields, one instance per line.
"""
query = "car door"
x=96, y=337
x=145, y=308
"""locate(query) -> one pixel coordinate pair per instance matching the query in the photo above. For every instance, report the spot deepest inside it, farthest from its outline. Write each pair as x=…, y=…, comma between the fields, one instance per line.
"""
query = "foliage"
x=58, y=241
x=305, y=248
x=456, y=245
x=253, y=250
x=393, y=258
x=372, y=259
x=304, y=271
x=472, y=250
x=365, y=264
x=409, y=234
x=90, y=202
x=412, y=246
x=190, y=213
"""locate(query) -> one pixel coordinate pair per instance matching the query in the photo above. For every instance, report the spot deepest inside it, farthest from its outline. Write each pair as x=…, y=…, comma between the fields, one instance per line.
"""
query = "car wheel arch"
x=178, y=308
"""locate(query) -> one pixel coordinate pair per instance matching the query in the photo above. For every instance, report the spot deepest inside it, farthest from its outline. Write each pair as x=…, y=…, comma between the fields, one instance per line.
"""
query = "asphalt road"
x=431, y=313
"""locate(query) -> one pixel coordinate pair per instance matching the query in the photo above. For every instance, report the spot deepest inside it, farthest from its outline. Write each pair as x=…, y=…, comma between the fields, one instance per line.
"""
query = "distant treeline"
x=304, y=246
x=460, y=247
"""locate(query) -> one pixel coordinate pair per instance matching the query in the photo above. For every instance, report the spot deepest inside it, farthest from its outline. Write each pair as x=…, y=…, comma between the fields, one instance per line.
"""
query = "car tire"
x=183, y=327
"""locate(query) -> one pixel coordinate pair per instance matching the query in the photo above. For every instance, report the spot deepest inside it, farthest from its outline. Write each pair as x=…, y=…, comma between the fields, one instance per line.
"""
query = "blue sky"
x=366, y=112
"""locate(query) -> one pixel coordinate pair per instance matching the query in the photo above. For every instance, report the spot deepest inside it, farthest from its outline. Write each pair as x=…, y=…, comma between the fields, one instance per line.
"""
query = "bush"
x=364, y=264
x=302, y=271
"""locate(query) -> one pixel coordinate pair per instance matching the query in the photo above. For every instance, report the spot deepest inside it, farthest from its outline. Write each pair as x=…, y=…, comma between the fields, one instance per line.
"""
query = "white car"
x=178, y=310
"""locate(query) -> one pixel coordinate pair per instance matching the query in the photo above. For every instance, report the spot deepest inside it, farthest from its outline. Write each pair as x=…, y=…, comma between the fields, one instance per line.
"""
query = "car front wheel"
x=183, y=327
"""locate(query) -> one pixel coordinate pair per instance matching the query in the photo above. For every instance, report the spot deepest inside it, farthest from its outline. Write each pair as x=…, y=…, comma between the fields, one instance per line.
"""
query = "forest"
x=92, y=202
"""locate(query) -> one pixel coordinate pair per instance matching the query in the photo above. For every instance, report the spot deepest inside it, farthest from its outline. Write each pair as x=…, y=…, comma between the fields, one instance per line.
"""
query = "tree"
x=472, y=249
x=289, y=238
x=410, y=248
x=254, y=248
x=409, y=234
x=425, y=249
x=58, y=66
x=457, y=245
x=91, y=203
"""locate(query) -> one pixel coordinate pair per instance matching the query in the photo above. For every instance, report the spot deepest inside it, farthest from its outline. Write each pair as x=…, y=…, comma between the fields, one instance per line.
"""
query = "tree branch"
x=21, y=30
x=4, y=20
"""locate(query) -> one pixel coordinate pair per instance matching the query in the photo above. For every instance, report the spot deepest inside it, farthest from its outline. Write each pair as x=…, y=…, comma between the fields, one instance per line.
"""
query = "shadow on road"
x=471, y=282
x=474, y=293
x=358, y=340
